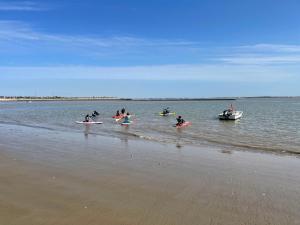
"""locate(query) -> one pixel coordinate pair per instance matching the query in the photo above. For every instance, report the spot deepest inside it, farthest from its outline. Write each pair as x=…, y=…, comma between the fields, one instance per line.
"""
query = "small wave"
x=196, y=139
x=26, y=125
x=191, y=139
x=251, y=146
x=135, y=135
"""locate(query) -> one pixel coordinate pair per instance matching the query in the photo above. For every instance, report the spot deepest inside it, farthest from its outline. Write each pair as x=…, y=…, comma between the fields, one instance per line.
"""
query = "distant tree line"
x=32, y=97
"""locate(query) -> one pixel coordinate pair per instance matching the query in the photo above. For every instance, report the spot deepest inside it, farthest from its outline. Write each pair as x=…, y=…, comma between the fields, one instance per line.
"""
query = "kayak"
x=91, y=122
x=126, y=124
x=185, y=124
x=118, y=117
x=167, y=114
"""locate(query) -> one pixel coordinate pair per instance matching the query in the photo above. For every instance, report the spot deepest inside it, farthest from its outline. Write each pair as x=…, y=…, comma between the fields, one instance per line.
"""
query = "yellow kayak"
x=167, y=114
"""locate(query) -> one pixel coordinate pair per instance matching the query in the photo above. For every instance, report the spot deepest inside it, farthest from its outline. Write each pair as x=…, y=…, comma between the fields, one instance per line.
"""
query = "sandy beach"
x=50, y=177
x=149, y=112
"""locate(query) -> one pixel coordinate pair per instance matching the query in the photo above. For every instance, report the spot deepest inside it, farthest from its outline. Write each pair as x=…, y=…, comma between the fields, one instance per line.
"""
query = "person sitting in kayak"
x=127, y=118
x=123, y=111
x=180, y=121
x=87, y=118
x=166, y=111
x=95, y=113
x=118, y=113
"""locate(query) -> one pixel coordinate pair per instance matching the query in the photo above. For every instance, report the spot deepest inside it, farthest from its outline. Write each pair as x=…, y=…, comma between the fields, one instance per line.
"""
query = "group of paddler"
x=125, y=117
x=180, y=121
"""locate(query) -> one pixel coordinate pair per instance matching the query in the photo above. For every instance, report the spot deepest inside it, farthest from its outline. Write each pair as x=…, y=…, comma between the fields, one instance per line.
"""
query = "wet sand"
x=50, y=177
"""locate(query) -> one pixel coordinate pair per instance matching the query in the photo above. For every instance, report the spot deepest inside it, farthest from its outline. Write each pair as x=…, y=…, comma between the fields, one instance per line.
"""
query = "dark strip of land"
x=104, y=98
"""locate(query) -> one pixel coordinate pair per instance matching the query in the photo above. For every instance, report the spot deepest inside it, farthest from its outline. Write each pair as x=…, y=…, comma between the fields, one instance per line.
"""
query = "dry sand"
x=49, y=177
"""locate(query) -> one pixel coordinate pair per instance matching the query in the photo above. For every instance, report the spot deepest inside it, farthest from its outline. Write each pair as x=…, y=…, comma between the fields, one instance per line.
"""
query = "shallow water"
x=267, y=124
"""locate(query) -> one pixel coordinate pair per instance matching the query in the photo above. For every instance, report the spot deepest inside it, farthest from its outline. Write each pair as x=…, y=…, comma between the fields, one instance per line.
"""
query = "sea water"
x=267, y=123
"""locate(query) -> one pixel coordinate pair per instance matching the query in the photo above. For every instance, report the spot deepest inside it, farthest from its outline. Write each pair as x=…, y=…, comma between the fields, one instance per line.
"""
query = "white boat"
x=230, y=115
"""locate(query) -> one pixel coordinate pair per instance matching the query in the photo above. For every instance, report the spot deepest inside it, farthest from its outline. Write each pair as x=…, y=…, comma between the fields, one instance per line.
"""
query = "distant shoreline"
x=58, y=98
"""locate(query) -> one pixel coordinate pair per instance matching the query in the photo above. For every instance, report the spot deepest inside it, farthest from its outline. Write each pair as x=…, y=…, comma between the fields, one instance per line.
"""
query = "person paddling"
x=123, y=111
x=118, y=113
x=87, y=118
x=180, y=121
x=95, y=113
x=166, y=111
x=127, y=118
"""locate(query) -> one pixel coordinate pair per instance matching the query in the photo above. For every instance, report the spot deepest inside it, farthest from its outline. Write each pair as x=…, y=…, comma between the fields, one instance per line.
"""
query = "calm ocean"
x=267, y=124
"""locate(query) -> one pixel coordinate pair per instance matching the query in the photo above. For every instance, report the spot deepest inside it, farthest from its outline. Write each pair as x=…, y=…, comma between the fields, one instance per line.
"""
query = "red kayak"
x=118, y=117
x=185, y=124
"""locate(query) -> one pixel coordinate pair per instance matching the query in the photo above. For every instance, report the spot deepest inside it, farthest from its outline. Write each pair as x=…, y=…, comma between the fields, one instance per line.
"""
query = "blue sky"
x=154, y=48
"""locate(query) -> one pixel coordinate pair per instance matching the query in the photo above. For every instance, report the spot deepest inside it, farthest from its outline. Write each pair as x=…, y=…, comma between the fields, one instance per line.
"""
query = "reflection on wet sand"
x=87, y=130
x=61, y=179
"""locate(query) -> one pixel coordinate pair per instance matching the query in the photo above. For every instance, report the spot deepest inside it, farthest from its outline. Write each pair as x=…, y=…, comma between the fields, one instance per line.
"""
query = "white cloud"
x=21, y=6
x=12, y=30
x=262, y=54
x=263, y=47
x=261, y=60
x=18, y=39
